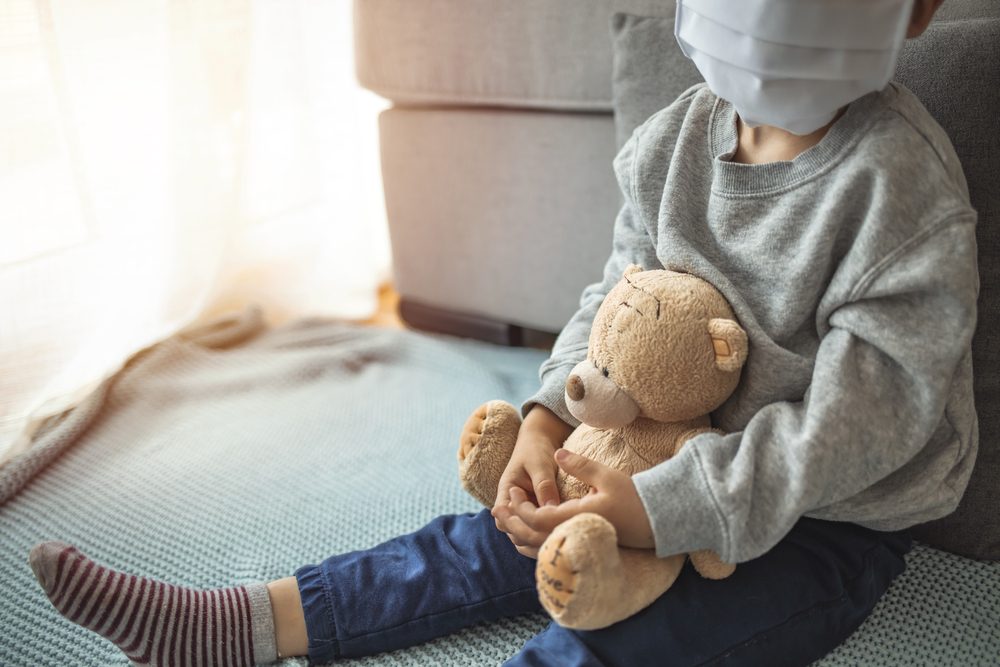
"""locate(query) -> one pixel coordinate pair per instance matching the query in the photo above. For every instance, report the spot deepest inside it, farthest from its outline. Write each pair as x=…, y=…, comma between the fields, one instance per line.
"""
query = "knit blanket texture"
x=235, y=453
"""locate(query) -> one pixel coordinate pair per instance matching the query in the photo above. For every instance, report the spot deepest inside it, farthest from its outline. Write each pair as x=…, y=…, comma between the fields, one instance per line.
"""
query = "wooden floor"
x=387, y=314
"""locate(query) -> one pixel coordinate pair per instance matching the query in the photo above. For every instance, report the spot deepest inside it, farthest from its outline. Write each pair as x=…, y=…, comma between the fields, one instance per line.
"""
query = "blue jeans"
x=788, y=607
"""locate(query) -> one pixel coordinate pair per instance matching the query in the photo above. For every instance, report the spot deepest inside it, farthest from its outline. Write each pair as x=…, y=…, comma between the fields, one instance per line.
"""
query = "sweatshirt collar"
x=734, y=178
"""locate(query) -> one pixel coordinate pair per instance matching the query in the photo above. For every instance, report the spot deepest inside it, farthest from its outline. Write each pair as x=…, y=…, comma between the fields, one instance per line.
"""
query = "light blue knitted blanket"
x=235, y=454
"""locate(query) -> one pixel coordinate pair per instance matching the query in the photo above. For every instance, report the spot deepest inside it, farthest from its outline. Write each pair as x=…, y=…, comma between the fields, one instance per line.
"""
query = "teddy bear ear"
x=729, y=341
x=632, y=268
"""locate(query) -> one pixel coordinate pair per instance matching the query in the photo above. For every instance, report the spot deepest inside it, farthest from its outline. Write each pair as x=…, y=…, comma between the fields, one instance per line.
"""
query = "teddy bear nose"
x=574, y=387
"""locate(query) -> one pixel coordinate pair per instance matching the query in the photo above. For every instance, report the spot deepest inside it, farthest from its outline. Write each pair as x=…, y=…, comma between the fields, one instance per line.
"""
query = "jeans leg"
x=452, y=573
x=790, y=606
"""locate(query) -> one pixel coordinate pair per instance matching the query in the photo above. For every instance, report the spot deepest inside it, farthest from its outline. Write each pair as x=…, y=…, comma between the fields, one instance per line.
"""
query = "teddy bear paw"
x=490, y=422
x=555, y=576
x=577, y=565
x=484, y=448
x=472, y=431
x=709, y=565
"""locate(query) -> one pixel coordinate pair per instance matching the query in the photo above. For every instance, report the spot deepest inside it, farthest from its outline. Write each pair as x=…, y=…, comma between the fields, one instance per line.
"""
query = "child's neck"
x=766, y=143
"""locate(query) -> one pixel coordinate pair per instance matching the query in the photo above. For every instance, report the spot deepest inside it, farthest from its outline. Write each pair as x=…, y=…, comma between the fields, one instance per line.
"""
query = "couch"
x=496, y=159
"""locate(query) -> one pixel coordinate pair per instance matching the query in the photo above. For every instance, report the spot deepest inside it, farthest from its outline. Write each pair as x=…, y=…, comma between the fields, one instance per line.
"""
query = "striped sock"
x=155, y=623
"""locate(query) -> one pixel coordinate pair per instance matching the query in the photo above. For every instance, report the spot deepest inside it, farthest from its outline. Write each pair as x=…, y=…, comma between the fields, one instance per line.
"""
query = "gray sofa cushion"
x=649, y=69
x=549, y=54
x=530, y=224
x=955, y=71
x=954, y=68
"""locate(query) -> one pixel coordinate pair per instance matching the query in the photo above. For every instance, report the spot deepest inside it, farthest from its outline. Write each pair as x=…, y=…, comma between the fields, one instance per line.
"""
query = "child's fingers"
x=517, y=495
x=584, y=469
x=545, y=519
x=530, y=552
x=519, y=532
x=500, y=514
x=546, y=491
x=503, y=491
x=503, y=496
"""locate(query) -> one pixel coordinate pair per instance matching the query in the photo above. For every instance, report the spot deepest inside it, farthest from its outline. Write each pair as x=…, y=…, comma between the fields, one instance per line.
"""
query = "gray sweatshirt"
x=853, y=270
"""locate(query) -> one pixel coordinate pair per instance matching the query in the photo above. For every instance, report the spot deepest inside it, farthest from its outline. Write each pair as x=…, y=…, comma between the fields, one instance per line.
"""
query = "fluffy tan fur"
x=670, y=341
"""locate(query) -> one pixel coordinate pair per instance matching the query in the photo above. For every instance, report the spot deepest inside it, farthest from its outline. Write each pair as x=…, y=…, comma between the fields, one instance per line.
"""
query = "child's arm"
x=882, y=375
x=532, y=470
x=633, y=243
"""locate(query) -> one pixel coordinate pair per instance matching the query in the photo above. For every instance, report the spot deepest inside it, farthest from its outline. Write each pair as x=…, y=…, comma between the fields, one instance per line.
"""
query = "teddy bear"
x=665, y=350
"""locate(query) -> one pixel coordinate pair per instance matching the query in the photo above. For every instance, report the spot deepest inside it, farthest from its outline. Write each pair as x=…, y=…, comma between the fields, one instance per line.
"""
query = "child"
x=831, y=211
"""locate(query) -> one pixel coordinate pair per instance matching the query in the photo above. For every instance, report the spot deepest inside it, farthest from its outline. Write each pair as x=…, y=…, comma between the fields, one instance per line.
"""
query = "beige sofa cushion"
x=498, y=214
x=543, y=54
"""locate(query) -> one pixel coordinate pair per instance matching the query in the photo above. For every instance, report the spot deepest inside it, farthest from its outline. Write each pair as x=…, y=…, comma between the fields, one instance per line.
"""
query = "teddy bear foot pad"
x=586, y=581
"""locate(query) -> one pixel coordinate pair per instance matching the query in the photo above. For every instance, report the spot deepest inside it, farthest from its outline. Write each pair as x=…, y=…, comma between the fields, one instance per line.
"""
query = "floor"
x=387, y=314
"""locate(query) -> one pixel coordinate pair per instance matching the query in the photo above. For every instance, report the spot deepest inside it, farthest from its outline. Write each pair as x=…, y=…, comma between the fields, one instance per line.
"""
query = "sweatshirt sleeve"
x=877, y=394
x=631, y=244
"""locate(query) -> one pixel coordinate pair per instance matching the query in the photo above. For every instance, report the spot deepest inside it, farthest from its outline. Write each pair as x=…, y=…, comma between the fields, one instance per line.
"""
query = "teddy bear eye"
x=604, y=371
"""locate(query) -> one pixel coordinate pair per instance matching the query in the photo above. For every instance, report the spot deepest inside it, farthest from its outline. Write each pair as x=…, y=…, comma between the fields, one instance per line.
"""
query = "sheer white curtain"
x=164, y=161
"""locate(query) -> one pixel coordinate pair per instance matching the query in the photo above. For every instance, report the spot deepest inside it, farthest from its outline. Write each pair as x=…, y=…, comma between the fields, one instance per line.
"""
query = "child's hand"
x=531, y=469
x=612, y=495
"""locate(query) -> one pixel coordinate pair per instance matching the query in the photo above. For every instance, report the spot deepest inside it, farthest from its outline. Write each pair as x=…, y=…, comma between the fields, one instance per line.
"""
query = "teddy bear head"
x=664, y=345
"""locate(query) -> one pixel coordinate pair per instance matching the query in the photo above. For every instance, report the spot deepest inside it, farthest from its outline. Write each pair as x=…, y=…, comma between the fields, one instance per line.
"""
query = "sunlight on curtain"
x=163, y=162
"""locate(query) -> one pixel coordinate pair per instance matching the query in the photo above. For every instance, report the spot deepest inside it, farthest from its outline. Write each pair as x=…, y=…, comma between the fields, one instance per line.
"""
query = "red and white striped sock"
x=155, y=623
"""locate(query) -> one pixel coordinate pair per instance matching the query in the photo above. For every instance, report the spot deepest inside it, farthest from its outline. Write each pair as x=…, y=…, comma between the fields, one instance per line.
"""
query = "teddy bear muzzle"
x=594, y=398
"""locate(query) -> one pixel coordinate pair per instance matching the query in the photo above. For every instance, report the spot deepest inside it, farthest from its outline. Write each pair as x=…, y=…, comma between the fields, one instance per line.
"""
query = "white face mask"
x=792, y=63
